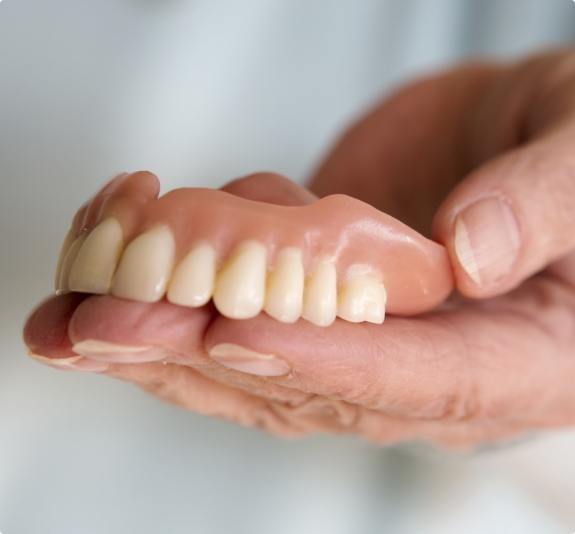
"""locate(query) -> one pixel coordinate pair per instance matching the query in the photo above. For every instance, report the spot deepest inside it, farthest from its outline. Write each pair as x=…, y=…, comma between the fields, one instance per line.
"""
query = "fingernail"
x=114, y=352
x=248, y=361
x=486, y=240
x=74, y=363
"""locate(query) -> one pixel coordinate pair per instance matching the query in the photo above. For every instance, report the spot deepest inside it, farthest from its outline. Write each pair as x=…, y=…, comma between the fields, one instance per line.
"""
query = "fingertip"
x=113, y=329
x=45, y=331
x=45, y=335
x=483, y=240
x=318, y=356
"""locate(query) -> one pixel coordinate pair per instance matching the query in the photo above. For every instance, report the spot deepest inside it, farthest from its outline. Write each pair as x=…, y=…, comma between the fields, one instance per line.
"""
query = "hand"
x=480, y=158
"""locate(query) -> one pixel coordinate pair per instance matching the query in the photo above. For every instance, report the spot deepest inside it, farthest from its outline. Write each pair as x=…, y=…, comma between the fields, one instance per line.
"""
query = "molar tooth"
x=146, y=266
x=67, y=262
x=192, y=282
x=320, y=297
x=284, y=295
x=240, y=286
x=362, y=299
x=96, y=261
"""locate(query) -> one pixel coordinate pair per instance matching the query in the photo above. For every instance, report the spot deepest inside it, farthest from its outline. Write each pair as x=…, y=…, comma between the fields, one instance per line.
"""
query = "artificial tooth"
x=146, y=266
x=362, y=299
x=97, y=258
x=192, y=282
x=68, y=240
x=67, y=262
x=284, y=294
x=240, y=286
x=320, y=296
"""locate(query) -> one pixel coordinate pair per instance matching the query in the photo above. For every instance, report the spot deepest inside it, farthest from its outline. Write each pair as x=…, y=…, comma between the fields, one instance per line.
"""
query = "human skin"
x=494, y=181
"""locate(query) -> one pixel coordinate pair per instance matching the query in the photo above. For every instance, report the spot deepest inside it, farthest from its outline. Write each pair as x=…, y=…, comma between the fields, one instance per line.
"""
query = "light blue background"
x=199, y=92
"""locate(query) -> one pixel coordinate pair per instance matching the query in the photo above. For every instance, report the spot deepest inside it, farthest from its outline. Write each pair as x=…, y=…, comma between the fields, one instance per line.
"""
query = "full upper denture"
x=337, y=257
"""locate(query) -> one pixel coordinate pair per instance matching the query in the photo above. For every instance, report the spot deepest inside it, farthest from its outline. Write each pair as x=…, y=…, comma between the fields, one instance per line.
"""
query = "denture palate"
x=337, y=257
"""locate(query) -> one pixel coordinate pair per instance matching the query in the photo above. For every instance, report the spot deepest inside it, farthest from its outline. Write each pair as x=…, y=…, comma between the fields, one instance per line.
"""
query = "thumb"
x=512, y=217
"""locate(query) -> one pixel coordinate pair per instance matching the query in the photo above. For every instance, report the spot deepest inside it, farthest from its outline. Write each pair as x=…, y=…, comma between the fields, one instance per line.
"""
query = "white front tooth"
x=320, y=297
x=284, y=294
x=146, y=266
x=68, y=240
x=67, y=262
x=362, y=299
x=192, y=283
x=97, y=259
x=240, y=286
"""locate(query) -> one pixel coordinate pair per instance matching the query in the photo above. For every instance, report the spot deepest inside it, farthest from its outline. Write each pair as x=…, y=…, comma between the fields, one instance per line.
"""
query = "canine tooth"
x=284, y=293
x=67, y=262
x=362, y=299
x=63, y=250
x=320, y=296
x=97, y=259
x=240, y=286
x=192, y=282
x=146, y=266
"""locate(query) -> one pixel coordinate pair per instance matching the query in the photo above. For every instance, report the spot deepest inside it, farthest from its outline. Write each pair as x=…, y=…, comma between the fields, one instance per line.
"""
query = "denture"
x=336, y=257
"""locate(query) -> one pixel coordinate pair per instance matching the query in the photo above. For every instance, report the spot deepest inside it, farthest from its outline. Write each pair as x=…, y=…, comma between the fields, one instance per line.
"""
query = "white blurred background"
x=200, y=91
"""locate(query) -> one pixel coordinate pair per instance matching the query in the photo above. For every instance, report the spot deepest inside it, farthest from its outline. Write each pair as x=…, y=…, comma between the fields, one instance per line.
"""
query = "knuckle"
x=363, y=389
x=460, y=404
x=327, y=413
x=272, y=418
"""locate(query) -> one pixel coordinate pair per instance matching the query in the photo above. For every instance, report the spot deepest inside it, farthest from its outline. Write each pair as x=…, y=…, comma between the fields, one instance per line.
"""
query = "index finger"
x=491, y=360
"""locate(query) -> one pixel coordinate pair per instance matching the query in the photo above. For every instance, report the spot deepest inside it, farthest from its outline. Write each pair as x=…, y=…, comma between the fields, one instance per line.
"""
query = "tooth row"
x=240, y=288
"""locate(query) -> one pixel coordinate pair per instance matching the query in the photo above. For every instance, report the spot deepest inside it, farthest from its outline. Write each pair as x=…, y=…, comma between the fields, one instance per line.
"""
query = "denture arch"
x=337, y=257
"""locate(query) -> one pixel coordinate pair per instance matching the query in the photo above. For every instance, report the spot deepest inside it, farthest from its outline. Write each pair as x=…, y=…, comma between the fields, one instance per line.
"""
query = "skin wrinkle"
x=357, y=393
x=268, y=419
x=545, y=293
x=473, y=371
x=382, y=398
x=291, y=382
x=460, y=402
x=204, y=364
x=488, y=366
x=337, y=368
x=167, y=392
x=375, y=383
x=435, y=355
x=304, y=403
x=251, y=384
x=526, y=404
x=376, y=376
x=311, y=419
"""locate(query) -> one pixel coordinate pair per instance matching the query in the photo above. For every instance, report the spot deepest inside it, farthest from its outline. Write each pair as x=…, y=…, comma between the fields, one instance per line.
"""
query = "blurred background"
x=200, y=91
